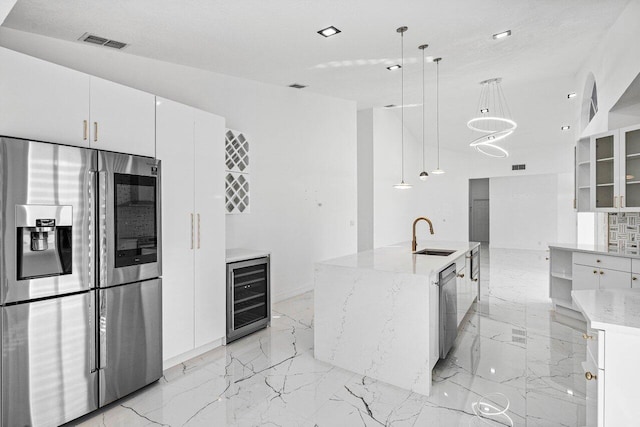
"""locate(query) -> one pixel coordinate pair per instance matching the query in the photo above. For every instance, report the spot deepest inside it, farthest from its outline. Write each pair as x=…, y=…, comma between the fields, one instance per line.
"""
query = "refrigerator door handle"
x=103, y=330
x=92, y=335
x=102, y=228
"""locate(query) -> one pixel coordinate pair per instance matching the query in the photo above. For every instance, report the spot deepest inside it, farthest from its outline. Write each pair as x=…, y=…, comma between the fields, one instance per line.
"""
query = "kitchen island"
x=377, y=311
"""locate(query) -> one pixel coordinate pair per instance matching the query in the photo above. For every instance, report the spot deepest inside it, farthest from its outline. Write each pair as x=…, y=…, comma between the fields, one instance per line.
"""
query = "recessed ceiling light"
x=502, y=35
x=394, y=67
x=571, y=95
x=565, y=127
x=329, y=31
x=484, y=110
x=297, y=86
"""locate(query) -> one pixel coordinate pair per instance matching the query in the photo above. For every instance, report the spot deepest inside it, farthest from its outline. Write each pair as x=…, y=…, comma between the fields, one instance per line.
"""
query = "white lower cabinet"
x=612, y=378
x=612, y=279
x=190, y=144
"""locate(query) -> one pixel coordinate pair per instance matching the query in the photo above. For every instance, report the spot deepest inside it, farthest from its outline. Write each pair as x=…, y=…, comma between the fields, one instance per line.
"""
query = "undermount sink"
x=435, y=252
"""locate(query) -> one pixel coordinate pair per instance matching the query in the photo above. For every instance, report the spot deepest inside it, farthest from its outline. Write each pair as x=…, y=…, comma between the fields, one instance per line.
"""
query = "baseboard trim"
x=281, y=296
x=176, y=360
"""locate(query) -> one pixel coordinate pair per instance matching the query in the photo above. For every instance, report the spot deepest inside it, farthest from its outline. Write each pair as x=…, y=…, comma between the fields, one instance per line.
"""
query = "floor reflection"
x=513, y=348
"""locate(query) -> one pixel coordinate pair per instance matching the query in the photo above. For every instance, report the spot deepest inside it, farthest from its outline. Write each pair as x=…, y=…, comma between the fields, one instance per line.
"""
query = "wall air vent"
x=90, y=38
x=518, y=167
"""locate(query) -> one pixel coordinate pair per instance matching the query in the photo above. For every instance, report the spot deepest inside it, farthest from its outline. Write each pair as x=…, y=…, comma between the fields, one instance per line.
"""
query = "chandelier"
x=494, y=121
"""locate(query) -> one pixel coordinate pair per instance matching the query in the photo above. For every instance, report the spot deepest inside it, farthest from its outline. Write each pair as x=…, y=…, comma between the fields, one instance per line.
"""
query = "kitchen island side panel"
x=374, y=323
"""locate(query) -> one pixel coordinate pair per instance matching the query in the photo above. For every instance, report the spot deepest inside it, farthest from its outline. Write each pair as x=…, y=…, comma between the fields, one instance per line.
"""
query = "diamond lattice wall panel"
x=236, y=193
x=236, y=162
x=236, y=152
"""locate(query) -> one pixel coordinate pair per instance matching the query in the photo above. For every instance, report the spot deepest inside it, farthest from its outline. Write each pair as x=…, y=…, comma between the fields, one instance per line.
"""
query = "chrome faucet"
x=414, y=242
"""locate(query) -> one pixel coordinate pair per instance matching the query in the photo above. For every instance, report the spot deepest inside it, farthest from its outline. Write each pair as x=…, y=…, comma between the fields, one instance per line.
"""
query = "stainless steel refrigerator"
x=80, y=291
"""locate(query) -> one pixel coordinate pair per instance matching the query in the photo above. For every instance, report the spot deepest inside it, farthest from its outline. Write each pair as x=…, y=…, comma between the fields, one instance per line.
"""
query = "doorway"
x=479, y=210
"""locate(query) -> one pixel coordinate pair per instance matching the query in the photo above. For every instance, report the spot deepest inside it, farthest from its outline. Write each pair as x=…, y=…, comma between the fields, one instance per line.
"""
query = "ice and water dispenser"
x=44, y=240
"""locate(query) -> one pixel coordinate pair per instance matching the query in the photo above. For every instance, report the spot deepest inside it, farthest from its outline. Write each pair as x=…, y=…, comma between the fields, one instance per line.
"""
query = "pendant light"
x=438, y=171
x=403, y=185
x=423, y=175
x=494, y=120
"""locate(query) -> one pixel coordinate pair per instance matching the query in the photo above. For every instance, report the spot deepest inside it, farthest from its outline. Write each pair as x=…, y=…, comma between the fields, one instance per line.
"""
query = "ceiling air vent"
x=518, y=167
x=90, y=38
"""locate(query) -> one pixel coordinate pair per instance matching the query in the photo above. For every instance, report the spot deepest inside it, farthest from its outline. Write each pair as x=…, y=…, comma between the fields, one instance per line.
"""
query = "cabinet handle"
x=587, y=337
x=95, y=131
x=597, y=260
x=634, y=278
x=461, y=275
x=191, y=231
x=601, y=272
x=589, y=376
x=85, y=126
x=198, y=231
x=475, y=280
x=595, y=271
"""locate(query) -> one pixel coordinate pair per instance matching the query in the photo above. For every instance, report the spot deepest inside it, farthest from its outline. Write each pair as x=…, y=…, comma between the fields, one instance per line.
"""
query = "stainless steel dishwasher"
x=448, y=309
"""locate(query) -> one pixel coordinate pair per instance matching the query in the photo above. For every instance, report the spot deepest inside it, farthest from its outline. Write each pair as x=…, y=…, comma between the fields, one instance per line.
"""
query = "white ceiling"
x=276, y=41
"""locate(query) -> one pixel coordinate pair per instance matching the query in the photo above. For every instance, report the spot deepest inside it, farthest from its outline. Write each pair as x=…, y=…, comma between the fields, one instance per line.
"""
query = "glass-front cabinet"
x=605, y=171
x=630, y=168
x=615, y=170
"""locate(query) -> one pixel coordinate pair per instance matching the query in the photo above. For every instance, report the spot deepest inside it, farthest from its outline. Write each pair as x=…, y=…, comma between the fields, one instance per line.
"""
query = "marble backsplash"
x=624, y=231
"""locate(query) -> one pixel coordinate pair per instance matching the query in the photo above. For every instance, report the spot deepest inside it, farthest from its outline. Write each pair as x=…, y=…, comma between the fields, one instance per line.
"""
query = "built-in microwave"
x=129, y=218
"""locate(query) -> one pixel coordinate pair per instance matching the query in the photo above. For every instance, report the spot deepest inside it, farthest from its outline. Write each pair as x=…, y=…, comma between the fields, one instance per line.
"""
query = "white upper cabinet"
x=47, y=102
x=615, y=170
x=605, y=173
x=43, y=101
x=630, y=169
x=122, y=118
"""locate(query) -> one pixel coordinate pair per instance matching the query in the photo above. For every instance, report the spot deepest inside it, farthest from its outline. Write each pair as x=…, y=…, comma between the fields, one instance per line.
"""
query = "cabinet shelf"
x=605, y=159
x=632, y=182
x=584, y=187
x=585, y=163
x=606, y=184
x=633, y=155
x=563, y=276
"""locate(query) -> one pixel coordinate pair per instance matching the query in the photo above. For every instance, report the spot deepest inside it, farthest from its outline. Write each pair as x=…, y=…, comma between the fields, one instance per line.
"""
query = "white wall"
x=5, y=8
x=303, y=152
x=524, y=211
x=365, y=180
x=442, y=198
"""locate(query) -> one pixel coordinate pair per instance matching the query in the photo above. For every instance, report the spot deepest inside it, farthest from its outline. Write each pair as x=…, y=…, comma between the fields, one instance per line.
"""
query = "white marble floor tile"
x=513, y=344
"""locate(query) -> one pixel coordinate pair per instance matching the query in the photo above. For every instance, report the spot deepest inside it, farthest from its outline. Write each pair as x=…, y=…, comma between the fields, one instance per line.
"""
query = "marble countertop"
x=599, y=249
x=241, y=254
x=611, y=310
x=399, y=258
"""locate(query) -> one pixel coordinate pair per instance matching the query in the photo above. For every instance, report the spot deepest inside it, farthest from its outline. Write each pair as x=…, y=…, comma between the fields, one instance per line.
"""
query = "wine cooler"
x=248, y=297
